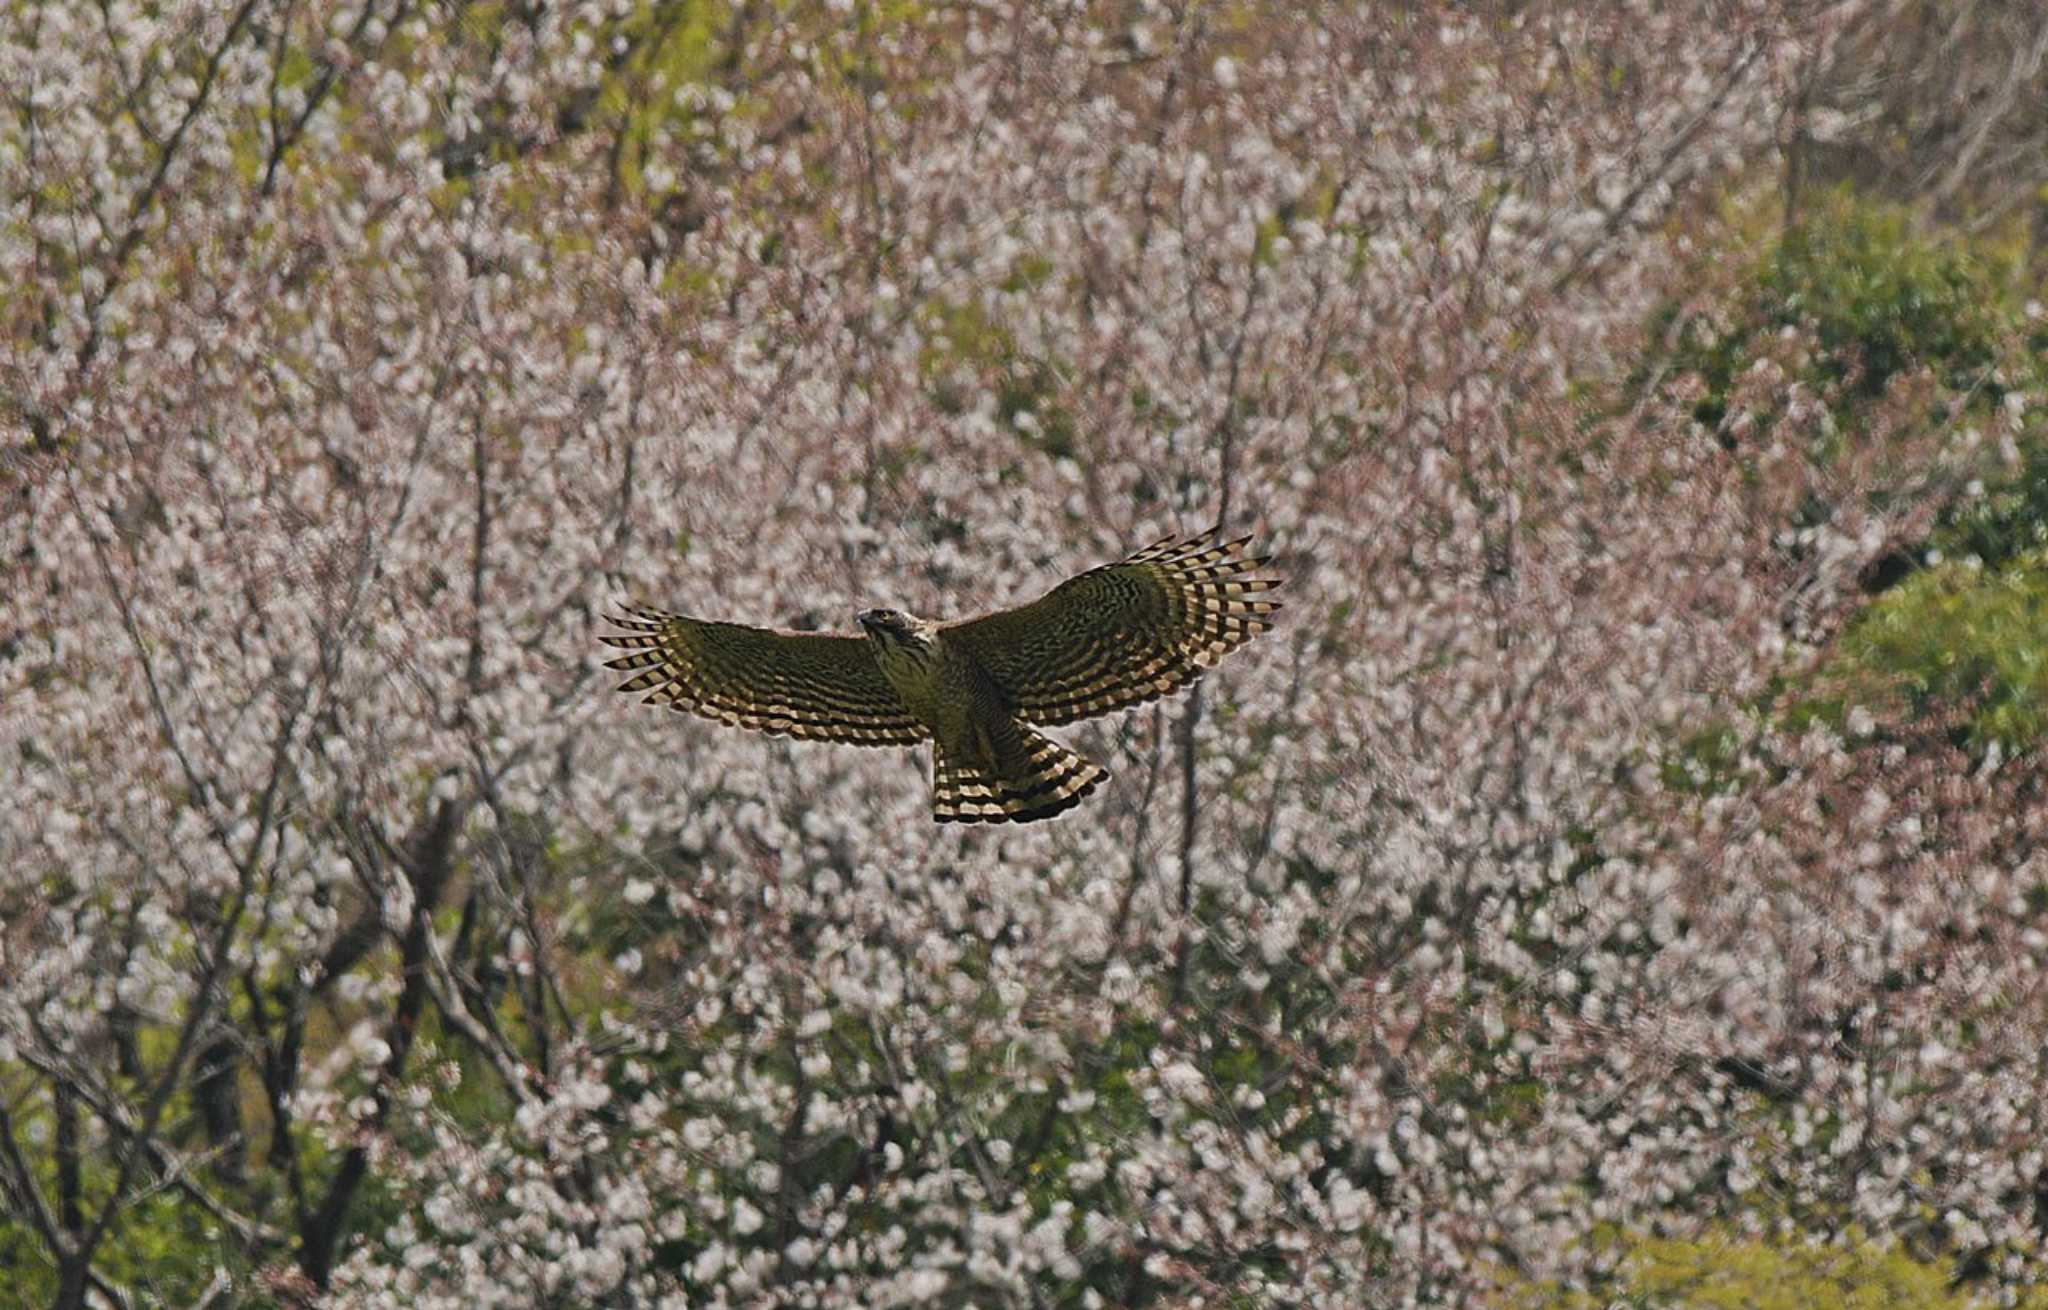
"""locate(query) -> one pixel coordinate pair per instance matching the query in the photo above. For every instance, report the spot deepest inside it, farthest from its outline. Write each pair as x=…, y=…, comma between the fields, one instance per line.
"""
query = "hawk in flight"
x=1114, y=636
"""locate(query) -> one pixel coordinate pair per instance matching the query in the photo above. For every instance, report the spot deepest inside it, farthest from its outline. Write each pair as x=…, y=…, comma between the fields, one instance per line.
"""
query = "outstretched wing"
x=1122, y=633
x=814, y=685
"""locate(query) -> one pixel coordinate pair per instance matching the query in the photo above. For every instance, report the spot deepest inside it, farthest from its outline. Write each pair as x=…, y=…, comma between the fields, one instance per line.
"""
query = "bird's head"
x=894, y=630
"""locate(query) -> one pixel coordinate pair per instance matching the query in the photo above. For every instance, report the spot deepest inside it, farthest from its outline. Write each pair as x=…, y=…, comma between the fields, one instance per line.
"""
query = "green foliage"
x=31, y=1272
x=160, y=1242
x=1958, y=637
x=1883, y=298
x=1879, y=298
x=2010, y=519
x=664, y=46
x=1725, y=1271
x=1028, y=389
x=1707, y=762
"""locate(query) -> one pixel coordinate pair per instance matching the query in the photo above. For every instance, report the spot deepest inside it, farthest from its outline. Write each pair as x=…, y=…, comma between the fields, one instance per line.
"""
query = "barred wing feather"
x=1123, y=633
x=813, y=685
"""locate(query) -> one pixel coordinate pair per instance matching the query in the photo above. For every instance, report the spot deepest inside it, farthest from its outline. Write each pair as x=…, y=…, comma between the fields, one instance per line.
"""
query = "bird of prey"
x=1117, y=635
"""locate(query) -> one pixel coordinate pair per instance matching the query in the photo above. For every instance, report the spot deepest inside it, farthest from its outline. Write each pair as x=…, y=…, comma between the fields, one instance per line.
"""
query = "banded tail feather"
x=1042, y=778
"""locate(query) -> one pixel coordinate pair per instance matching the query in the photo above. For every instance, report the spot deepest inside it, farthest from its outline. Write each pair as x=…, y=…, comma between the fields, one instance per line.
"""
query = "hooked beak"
x=869, y=620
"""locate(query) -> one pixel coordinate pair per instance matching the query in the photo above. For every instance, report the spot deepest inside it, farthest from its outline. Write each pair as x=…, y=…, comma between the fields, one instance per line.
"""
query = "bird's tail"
x=1034, y=778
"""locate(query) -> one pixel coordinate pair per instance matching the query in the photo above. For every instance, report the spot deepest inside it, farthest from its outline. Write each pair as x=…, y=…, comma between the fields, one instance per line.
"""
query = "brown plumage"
x=1115, y=636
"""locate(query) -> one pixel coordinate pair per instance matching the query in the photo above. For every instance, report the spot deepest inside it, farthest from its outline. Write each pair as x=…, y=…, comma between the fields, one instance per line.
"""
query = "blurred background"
x=1616, y=881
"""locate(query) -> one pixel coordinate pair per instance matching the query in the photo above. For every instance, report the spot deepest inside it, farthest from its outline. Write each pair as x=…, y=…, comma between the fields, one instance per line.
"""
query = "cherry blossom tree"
x=357, y=357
